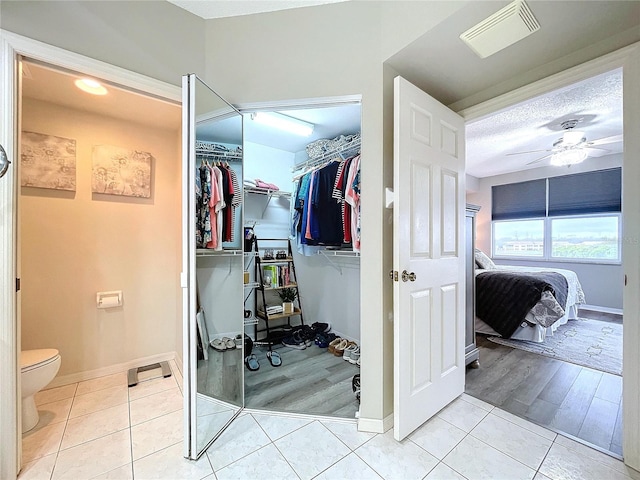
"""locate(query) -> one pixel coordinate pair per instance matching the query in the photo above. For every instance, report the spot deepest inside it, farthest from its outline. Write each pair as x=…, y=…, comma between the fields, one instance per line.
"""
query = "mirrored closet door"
x=212, y=264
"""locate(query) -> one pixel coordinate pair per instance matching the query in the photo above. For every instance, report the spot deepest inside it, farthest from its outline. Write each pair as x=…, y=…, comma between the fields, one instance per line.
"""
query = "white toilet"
x=38, y=367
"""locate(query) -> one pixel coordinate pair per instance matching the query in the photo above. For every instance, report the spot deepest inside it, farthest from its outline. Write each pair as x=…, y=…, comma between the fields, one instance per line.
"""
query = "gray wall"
x=154, y=38
x=602, y=284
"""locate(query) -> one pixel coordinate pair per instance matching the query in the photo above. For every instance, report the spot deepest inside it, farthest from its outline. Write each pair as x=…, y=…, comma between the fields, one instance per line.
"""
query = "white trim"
x=12, y=46
x=299, y=104
x=76, y=62
x=111, y=369
x=374, y=425
x=627, y=58
x=598, y=308
x=9, y=328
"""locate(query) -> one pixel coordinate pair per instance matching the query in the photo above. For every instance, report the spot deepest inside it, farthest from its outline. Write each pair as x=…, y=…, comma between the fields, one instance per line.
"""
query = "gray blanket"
x=504, y=298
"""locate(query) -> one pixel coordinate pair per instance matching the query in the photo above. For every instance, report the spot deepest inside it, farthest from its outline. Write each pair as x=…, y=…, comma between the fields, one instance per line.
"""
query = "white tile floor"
x=101, y=429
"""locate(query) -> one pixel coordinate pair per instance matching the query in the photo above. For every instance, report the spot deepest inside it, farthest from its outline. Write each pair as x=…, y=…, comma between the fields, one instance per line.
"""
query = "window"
x=570, y=217
x=593, y=238
x=518, y=238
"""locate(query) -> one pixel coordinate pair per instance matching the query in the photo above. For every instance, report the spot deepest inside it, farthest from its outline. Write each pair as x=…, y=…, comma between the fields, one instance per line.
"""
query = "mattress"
x=535, y=327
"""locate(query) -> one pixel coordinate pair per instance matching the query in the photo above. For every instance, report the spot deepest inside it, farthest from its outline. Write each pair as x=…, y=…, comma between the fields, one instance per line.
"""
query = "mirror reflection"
x=219, y=269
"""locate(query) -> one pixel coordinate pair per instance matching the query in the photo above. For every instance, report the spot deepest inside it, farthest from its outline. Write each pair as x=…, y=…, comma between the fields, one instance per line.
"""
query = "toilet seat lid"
x=32, y=358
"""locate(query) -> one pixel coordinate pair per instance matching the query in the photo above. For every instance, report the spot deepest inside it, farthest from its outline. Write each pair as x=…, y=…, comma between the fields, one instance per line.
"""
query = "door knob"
x=4, y=162
x=408, y=276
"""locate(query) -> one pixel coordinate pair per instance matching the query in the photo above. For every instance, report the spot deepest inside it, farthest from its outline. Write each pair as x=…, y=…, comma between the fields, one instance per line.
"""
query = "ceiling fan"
x=572, y=148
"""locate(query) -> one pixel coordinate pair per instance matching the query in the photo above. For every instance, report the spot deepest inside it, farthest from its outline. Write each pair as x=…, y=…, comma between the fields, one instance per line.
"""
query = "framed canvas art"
x=120, y=171
x=47, y=161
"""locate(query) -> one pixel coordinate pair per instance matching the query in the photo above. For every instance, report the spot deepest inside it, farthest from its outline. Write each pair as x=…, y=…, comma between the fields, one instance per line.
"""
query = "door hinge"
x=17, y=284
x=393, y=275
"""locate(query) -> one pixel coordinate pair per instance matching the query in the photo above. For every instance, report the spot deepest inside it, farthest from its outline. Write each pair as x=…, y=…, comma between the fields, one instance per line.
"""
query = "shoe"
x=354, y=357
x=229, y=342
x=252, y=362
x=238, y=341
x=219, y=345
x=307, y=334
x=294, y=341
x=320, y=327
x=349, y=349
x=274, y=358
x=355, y=382
x=339, y=350
x=333, y=344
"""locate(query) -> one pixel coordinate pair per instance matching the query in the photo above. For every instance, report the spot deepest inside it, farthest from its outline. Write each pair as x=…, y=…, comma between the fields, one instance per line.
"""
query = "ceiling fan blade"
x=538, y=159
x=530, y=151
x=597, y=151
x=605, y=140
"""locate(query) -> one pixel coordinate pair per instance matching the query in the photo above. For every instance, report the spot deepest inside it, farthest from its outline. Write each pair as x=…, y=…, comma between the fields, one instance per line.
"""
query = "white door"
x=428, y=256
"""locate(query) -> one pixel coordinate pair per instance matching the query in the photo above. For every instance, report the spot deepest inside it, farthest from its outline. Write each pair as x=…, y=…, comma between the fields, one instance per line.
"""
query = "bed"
x=504, y=295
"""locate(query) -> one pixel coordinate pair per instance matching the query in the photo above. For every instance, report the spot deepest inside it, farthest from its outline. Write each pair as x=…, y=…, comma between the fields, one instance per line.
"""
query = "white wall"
x=602, y=284
x=75, y=244
x=326, y=293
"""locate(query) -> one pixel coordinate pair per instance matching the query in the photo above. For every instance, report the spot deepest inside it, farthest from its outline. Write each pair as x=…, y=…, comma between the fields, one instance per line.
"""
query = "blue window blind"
x=586, y=193
x=519, y=200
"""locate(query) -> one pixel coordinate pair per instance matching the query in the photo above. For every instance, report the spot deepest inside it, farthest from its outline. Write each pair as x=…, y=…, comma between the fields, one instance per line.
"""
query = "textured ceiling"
x=535, y=125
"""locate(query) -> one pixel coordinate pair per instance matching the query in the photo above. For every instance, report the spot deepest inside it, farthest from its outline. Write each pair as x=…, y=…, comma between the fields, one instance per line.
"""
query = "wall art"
x=47, y=161
x=120, y=171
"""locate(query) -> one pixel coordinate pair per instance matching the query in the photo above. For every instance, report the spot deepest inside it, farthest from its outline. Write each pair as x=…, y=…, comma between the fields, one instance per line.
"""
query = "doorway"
x=546, y=389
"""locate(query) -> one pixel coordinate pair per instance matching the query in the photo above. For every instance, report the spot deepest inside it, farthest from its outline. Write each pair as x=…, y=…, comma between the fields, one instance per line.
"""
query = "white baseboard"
x=374, y=425
x=110, y=370
x=598, y=308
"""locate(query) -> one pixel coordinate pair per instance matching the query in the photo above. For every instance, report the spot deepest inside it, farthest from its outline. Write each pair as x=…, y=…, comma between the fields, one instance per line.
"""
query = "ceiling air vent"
x=505, y=27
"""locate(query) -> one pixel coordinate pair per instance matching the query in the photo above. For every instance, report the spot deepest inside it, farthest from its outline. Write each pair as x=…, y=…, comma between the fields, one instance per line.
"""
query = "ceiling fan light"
x=572, y=137
x=568, y=157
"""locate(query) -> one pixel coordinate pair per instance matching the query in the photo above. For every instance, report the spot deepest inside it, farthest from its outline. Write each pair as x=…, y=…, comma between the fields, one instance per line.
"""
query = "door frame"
x=12, y=46
x=627, y=58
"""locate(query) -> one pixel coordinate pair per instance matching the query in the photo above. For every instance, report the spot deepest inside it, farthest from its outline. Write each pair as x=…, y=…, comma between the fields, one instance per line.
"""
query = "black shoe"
x=320, y=327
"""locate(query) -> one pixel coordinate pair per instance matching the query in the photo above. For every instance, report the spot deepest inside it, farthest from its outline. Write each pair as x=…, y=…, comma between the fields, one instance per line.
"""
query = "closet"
x=327, y=275
x=236, y=359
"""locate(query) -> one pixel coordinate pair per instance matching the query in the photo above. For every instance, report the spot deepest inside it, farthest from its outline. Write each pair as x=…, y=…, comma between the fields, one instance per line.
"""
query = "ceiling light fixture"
x=284, y=122
x=570, y=156
x=572, y=138
x=91, y=86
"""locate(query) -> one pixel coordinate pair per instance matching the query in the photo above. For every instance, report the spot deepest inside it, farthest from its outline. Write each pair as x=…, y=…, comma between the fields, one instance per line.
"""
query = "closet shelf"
x=291, y=285
x=268, y=192
x=261, y=314
x=277, y=260
x=338, y=253
x=208, y=252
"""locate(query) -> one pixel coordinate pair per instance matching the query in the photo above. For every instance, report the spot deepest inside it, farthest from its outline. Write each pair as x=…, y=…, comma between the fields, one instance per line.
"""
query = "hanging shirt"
x=352, y=197
x=326, y=223
x=204, y=213
x=235, y=202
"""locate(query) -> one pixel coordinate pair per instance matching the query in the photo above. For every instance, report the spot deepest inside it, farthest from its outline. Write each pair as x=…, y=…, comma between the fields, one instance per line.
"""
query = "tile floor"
x=101, y=429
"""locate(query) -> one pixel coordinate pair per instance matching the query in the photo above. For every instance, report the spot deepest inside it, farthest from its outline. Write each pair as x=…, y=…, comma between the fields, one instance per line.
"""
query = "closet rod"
x=352, y=147
x=227, y=156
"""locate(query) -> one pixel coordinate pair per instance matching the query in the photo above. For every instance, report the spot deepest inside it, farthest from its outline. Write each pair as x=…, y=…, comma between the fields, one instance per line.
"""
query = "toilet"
x=38, y=367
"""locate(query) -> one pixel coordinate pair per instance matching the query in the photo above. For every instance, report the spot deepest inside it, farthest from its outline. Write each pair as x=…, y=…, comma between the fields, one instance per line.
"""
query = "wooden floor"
x=567, y=398
x=310, y=381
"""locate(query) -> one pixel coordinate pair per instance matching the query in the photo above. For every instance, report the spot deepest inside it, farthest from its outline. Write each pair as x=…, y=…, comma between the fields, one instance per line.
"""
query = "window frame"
x=547, y=245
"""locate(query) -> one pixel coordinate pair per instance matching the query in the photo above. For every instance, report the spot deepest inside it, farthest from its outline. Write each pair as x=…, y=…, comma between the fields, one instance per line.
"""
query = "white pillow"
x=483, y=261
